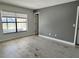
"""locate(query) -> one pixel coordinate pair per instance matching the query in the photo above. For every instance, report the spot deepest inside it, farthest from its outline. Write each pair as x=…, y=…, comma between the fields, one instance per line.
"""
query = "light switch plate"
x=73, y=25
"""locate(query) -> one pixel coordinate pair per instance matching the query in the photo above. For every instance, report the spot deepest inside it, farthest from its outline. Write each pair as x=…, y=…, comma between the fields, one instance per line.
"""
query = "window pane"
x=11, y=19
x=11, y=27
x=5, y=29
x=3, y=19
x=21, y=27
x=21, y=20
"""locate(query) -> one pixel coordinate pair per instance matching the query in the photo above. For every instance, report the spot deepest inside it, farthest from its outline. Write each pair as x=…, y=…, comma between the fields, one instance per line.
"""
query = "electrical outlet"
x=73, y=25
x=49, y=34
x=55, y=35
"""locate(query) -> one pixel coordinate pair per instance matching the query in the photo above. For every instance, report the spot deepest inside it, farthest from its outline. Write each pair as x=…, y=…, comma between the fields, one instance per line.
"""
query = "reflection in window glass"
x=21, y=27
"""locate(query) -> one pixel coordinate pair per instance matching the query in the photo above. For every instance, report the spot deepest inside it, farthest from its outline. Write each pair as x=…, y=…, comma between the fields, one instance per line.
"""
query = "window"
x=8, y=25
x=11, y=25
x=21, y=24
x=13, y=22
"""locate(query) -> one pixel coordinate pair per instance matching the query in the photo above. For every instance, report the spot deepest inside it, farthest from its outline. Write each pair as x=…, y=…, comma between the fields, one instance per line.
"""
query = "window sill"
x=14, y=32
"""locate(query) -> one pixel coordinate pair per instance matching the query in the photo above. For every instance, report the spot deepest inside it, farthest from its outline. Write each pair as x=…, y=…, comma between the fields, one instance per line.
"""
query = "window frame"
x=16, y=28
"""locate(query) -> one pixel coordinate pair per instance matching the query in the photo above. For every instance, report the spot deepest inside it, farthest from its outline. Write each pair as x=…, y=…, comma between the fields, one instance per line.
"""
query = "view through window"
x=11, y=24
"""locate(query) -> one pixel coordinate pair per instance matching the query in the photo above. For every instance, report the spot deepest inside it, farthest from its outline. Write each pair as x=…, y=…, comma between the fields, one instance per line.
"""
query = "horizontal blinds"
x=21, y=15
x=12, y=14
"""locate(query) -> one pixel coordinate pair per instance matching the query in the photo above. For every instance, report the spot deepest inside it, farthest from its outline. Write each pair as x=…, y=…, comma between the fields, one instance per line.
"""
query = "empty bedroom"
x=39, y=29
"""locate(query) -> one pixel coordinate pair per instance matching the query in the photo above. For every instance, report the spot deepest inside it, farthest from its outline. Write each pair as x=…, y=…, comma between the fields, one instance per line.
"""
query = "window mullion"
x=7, y=23
x=16, y=24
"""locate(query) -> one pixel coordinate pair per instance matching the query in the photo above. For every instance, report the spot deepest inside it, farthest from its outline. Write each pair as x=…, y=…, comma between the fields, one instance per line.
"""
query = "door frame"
x=76, y=27
x=36, y=31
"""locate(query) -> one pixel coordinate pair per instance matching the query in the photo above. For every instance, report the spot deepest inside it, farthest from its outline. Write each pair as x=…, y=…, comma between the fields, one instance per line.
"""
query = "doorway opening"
x=36, y=24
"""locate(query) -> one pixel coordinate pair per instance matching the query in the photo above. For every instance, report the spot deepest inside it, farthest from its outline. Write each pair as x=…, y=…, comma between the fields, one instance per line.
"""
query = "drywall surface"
x=57, y=21
x=31, y=22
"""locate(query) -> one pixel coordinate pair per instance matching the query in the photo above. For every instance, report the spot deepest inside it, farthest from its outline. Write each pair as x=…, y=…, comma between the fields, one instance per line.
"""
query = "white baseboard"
x=57, y=40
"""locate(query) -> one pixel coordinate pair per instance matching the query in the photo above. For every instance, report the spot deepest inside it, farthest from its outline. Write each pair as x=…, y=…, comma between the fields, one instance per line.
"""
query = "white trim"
x=57, y=40
x=76, y=25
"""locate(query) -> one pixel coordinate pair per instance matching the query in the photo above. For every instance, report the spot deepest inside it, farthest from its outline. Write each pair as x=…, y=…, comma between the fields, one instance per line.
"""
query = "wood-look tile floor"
x=37, y=47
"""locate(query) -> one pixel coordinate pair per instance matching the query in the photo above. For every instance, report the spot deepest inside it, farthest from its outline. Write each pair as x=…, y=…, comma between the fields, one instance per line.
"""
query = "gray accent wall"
x=57, y=21
x=31, y=22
